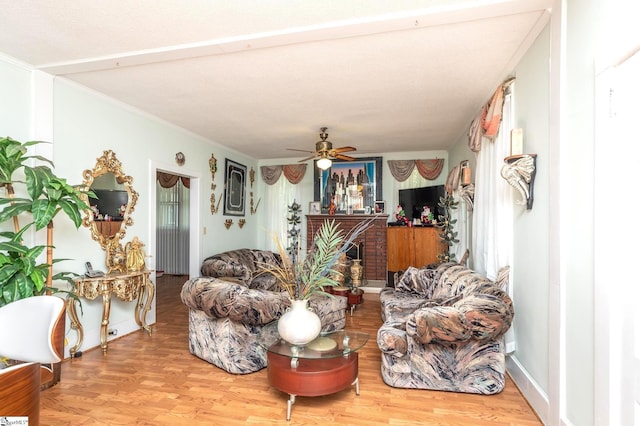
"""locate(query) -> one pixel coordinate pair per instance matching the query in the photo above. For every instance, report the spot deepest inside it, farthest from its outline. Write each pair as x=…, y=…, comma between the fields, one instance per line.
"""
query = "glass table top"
x=327, y=345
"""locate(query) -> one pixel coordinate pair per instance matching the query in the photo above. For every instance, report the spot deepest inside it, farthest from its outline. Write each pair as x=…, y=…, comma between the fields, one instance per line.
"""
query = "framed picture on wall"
x=353, y=185
x=235, y=179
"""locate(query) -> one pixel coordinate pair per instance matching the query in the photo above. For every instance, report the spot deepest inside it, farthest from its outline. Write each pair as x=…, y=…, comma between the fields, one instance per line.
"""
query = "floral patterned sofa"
x=231, y=302
x=443, y=328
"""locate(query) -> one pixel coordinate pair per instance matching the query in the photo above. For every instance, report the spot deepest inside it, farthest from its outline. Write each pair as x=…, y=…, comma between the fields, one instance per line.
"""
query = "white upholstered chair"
x=27, y=334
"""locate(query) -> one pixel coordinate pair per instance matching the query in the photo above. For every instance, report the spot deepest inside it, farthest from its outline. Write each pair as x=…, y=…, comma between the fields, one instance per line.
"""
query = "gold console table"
x=125, y=286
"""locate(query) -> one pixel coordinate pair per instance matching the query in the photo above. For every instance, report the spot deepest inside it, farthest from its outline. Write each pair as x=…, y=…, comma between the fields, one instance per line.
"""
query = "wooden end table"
x=354, y=298
x=327, y=365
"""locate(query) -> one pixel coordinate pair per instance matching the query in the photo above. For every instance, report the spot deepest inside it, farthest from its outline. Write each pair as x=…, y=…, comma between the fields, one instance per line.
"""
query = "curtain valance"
x=453, y=179
x=487, y=123
x=428, y=169
x=293, y=172
x=167, y=180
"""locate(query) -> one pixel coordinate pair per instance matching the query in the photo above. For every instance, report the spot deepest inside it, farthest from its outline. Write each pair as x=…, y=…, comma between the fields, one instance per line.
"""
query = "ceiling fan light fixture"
x=324, y=163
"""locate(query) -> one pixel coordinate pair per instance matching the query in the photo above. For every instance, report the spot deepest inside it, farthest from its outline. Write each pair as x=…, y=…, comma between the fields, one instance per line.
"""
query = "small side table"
x=354, y=298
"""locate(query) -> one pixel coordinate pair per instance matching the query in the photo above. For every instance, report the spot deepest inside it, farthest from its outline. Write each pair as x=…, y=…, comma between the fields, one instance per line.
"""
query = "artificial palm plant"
x=303, y=276
x=45, y=195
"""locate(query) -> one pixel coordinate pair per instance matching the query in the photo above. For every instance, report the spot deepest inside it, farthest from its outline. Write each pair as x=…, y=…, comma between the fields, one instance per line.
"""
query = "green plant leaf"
x=35, y=183
x=43, y=211
x=7, y=271
x=20, y=206
x=72, y=211
x=14, y=247
x=38, y=278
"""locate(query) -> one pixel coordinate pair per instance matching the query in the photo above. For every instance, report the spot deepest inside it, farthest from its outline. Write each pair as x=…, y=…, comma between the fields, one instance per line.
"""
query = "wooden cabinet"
x=412, y=246
x=400, y=252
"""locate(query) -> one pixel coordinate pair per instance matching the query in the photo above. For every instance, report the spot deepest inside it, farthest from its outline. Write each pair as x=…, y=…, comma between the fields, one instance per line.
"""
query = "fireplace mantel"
x=374, y=240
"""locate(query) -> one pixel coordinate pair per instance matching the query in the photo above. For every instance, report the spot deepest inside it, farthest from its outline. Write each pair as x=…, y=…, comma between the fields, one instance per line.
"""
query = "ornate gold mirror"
x=110, y=212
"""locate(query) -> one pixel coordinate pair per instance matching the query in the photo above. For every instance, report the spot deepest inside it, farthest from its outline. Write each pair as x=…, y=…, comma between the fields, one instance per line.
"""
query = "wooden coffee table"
x=327, y=365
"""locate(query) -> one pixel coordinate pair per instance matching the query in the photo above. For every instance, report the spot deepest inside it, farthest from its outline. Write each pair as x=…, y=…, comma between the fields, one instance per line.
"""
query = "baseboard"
x=91, y=338
x=533, y=393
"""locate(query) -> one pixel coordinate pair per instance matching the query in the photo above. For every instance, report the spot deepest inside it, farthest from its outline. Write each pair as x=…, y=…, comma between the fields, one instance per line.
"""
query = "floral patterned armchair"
x=443, y=329
x=232, y=301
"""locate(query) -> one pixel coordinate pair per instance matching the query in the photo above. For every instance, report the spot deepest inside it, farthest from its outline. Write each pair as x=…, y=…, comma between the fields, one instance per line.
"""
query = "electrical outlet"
x=112, y=332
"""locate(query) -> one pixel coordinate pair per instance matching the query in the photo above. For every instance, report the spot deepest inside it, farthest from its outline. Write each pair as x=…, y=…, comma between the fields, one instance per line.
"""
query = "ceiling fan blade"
x=344, y=149
x=300, y=150
x=308, y=158
x=344, y=157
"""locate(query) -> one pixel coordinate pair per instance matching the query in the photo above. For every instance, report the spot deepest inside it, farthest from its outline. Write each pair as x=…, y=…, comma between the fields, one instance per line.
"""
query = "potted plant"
x=301, y=277
x=42, y=195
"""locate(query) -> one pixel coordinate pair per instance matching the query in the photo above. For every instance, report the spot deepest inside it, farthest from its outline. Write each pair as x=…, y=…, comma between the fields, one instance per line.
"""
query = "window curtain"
x=492, y=237
x=414, y=180
x=172, y=224
x=293, y=172
x=401, y=170
x=277, y=197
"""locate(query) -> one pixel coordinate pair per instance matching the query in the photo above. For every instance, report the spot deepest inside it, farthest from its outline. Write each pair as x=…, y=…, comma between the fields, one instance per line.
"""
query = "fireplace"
x=372, y=243
x=356, y=251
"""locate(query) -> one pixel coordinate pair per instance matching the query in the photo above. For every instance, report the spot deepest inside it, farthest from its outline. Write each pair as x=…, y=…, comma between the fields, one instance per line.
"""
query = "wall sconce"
x=241, y=223
x=228, y=223
x=520, y=172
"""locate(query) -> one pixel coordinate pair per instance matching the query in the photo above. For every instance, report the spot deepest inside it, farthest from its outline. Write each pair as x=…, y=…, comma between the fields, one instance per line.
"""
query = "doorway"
x=172, y=224
x=194, y=249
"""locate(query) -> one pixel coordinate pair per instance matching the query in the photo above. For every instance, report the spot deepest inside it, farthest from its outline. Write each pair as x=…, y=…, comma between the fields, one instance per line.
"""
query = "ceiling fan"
x=325, y=151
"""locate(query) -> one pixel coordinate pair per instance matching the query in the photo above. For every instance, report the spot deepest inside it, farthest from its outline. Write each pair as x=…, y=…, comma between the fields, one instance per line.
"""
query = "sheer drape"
x=276, y=200
x=172, y=228
x=493, y=208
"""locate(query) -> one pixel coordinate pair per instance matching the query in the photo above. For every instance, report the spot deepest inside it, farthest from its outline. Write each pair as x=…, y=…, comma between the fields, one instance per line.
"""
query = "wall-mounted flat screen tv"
x=413, y=200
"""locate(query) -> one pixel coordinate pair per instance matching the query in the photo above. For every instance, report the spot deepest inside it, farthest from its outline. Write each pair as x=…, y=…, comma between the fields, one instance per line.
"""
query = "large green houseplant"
x=37, y=192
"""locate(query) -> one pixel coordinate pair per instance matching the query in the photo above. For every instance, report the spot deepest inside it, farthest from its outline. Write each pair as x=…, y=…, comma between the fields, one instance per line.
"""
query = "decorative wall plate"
x=180, y=158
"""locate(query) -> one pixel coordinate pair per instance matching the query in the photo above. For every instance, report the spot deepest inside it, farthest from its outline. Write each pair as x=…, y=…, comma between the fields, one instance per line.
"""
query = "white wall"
x=531, y=242
x=581, y=42
x=15, y=85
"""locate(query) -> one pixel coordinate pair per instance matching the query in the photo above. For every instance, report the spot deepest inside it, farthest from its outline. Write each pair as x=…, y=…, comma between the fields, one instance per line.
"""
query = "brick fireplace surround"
x=374, y=240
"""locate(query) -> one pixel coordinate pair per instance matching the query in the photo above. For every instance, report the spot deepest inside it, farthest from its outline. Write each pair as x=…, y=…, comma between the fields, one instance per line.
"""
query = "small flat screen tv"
x=413, y=200
x=109, y=201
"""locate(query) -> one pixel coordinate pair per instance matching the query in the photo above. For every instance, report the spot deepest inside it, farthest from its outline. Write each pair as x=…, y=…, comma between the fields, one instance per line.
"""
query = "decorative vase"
x=299, y=325
x=356, y=272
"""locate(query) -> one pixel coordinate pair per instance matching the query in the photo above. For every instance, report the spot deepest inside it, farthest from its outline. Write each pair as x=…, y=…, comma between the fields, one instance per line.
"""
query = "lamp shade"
x=324, y=163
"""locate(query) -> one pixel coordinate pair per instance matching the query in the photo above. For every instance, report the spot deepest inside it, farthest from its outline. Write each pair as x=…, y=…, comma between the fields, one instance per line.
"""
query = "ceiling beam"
x=357, y=27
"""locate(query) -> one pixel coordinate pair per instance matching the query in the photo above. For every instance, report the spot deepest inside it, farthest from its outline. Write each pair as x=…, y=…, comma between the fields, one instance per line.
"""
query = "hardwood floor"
x=154, y=380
